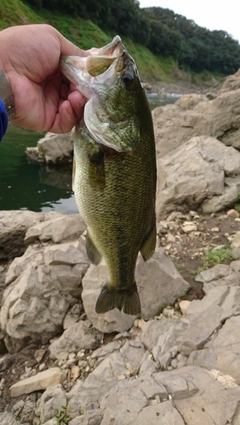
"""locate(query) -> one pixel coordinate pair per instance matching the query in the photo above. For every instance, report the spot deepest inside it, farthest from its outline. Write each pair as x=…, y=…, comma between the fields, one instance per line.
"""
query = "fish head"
x=110, y=81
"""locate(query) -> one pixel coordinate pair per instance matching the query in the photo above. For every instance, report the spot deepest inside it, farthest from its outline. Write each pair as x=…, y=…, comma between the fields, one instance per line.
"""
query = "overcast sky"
x=211, y=14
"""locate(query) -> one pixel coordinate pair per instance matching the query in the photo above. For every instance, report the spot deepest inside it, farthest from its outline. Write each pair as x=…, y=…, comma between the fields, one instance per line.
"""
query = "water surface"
x=26, y=185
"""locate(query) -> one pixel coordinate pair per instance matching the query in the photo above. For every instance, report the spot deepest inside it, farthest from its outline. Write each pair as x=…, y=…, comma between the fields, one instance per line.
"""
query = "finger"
x=77, y=101
x=65, y=119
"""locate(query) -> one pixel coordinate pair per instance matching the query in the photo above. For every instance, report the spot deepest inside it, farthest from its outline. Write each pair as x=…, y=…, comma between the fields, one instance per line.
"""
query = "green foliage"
x=173, y=38
x=62, y=418
x=194, y=47
x=237, y=205
x=214, y=257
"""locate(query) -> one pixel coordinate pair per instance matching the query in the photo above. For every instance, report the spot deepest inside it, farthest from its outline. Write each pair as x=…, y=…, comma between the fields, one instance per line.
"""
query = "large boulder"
x=193, y=115
x=13, y=227
x=198, y=171
x=41, y=287
x=53, y=149
x=159, y=284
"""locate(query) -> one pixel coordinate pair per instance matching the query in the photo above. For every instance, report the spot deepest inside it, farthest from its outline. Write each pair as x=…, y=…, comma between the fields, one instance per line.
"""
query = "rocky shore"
x=179, y=363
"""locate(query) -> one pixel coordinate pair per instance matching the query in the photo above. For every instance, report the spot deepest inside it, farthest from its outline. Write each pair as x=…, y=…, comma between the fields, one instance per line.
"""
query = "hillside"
x=87, y=34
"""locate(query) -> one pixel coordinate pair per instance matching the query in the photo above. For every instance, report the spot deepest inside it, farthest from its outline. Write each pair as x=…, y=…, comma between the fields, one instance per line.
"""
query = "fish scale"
x=115, y=183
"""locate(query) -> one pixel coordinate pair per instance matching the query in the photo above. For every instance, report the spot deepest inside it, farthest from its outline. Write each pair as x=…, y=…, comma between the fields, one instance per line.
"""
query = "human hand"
x=44, y=99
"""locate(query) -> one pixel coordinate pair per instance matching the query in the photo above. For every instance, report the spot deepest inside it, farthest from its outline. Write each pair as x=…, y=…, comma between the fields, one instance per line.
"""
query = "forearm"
x=6, y=103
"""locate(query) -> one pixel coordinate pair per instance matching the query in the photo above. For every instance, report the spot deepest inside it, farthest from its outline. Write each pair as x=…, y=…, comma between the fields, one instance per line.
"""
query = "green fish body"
x=115, y=173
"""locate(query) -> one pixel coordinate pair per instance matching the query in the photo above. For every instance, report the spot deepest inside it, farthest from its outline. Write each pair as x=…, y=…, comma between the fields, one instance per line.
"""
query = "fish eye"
x=127, y=79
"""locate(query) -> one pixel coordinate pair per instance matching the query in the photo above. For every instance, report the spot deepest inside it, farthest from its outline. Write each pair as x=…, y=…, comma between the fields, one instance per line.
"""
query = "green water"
x=25, y=185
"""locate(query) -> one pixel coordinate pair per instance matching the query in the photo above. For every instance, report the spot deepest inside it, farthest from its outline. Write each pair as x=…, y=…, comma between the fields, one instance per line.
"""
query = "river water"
x=25, y=185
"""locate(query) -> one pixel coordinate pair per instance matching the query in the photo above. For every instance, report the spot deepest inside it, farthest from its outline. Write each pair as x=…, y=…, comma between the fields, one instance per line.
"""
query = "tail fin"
x=126, y=299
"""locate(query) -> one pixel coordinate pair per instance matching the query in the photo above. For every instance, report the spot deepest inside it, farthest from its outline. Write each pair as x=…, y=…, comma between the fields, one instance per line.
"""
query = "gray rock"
x=6, y=418
x=40, y=381
x=223, y=352
x=227, y=297
x=53, y=149
x=44, y=284
x=85, y=396
x=79, y=336
x=57, y=230
x=92, y=417
x=156, y=414
x=167, y=345
x=213, y=273
x=51, y=403
x=72, y=316
x=195, y=172
x=161, y=335
x=112, y=321
x=13, y=227
x=213, y=403
x=200, y=328
x=159, y=284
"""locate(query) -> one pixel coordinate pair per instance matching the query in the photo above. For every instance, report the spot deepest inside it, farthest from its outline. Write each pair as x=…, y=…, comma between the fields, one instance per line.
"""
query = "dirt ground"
x=187, y=253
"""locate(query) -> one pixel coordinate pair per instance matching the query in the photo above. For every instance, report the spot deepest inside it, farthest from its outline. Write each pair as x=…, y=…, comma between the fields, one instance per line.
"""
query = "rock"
x=53, y=149
x=200, y=328
x=51, y=403
x=159, y=284
x=72, y=316
x=223, y=351
x=203, y=406
x=236, y=240
x=168, y=341
x=57, y=230
x=189, y=227
x=112, y=321
x=149, y=414
x=6, y=418
x=233, y=213
x=76, y=337
x=13, y=226
x=41, y=381
x=214, y=273
x=75, y=372
x=91, y=417
x=183, y=305
x=187, y=174
x=44, y=284
x=192, y=173
x=175, y=124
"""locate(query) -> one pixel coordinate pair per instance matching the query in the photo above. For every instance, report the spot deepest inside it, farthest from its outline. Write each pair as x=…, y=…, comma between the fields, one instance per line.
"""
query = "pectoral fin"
x=92, y=252
x=149, y=243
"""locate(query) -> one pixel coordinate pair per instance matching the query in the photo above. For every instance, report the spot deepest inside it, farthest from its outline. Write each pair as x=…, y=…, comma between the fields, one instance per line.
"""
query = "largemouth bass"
x=115, y=169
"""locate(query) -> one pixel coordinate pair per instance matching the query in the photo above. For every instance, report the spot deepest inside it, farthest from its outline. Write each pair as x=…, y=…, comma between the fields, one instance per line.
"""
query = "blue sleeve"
x=3, y=119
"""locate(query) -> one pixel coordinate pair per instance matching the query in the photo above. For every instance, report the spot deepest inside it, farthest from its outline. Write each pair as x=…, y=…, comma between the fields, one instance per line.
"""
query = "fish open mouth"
x=99, y=78
x=86, y=71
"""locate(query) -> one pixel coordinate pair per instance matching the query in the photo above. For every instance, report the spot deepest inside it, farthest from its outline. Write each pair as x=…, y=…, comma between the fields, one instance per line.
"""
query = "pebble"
x=75, y=372
x=41, y=367
x=233, y=213
x=39, y=354
x=183, y=305
x=171, y=238
x=189, y=227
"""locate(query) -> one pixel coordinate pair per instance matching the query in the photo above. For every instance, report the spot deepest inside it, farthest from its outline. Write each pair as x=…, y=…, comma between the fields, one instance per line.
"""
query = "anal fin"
x=149, y=243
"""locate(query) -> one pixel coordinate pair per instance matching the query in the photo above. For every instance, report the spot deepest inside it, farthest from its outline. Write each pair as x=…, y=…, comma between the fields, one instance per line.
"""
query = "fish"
x=114, y=169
